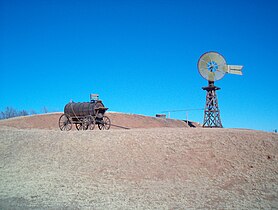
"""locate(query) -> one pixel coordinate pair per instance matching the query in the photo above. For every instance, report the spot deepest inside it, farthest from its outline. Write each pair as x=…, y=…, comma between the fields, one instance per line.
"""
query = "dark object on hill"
x=85, y=116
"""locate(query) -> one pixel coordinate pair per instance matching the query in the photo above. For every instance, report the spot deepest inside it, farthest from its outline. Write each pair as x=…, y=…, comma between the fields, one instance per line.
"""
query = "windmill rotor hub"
x=212, y=66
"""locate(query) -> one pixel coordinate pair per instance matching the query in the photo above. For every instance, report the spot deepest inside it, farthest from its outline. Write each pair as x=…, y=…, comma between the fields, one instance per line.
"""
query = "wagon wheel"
x=88, y=123
x=64, y=123
x=104, y=124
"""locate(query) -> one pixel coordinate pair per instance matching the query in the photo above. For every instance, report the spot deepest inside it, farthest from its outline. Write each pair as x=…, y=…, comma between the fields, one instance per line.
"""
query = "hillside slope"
x=158, y=168
x=119, y=121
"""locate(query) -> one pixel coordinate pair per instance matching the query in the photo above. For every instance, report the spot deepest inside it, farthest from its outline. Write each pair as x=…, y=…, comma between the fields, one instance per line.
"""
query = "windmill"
x=212, y=67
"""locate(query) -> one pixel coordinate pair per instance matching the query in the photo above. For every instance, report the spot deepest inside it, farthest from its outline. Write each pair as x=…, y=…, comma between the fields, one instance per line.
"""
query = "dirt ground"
x=50, y=121
x=155, y=168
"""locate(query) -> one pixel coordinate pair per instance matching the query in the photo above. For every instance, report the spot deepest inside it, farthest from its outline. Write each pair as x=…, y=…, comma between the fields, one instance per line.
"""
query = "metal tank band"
x=82, y=109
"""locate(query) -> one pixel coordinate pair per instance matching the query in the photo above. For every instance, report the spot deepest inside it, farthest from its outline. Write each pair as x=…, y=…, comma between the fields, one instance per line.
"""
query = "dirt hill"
x=156, y=168
x=119, y=121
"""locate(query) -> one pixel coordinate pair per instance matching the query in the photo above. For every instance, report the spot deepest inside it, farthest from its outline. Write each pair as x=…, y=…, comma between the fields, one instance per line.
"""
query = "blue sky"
x=140, y=56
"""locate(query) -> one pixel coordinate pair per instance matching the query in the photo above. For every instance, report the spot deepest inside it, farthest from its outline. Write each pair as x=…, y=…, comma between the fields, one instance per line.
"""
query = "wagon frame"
x=85, y=122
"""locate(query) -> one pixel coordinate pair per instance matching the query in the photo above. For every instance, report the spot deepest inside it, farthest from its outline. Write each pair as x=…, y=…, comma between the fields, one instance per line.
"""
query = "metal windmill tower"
x=212, y=66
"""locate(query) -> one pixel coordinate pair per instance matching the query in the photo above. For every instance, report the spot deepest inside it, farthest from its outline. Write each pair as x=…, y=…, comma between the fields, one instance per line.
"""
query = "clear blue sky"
x=140, y=56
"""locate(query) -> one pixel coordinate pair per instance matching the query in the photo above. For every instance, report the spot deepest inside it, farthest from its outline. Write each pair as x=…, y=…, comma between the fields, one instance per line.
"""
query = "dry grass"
x=158, y=168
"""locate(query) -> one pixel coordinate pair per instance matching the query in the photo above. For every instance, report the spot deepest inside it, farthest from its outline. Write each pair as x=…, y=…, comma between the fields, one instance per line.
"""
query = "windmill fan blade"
x=205, y=58
x=219, y=74
x=202, y=66
x=211, y=76
x=202, y=71
x=216, y=57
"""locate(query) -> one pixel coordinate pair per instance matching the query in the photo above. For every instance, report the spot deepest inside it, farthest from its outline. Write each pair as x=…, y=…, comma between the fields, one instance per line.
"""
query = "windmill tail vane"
x=234, y=69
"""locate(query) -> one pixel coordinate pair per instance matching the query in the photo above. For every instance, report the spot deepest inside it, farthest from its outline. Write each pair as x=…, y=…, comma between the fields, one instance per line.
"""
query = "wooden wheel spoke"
x=65, y=123
x=104, y=124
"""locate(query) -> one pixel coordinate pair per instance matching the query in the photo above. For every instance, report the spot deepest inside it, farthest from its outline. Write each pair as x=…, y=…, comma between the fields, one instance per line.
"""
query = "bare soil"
x=155, y=168
x=50, y=121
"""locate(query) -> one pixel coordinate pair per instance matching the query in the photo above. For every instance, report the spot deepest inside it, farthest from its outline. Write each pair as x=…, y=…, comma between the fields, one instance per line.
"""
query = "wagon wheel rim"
x=64, y=123
x=104, y=124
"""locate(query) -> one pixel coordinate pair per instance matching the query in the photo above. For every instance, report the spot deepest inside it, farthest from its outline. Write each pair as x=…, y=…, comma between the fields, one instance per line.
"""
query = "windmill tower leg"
x=212, y=112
